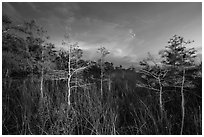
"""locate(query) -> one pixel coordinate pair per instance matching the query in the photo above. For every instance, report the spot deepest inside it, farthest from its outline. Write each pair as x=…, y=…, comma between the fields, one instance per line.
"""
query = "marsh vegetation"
x=47, y=91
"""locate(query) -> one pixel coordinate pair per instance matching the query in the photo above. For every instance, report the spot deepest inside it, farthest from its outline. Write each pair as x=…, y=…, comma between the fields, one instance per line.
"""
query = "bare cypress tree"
x=154, y=74
x=44, y=58
x=72, y=70
x=103, y=51
x=42, y=76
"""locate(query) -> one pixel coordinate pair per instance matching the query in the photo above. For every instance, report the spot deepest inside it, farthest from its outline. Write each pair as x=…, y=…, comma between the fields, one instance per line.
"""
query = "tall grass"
x=119, y=111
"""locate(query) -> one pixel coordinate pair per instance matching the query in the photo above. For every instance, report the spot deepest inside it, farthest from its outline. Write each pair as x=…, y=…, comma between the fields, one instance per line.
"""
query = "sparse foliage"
x=181, y=59
x=103, y=51
x=155, y=76
x=50, y=91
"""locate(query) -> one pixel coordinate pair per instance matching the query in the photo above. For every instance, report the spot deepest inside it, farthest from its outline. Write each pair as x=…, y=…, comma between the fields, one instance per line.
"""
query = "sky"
x=129, y=30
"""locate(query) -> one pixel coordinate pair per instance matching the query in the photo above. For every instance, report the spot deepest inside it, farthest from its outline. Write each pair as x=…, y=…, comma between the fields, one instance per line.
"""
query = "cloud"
x=66, y=8
x=119, y=55
x=128, y=30
x=125, y=61
x=92, y=33
x=94, y=30
x=60, y=10
x=9, y=10
x=199, y=49
x=33, y=6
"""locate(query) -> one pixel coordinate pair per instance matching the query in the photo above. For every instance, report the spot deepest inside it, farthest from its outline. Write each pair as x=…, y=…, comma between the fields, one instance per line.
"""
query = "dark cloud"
x=11, y=11
x=128, y=30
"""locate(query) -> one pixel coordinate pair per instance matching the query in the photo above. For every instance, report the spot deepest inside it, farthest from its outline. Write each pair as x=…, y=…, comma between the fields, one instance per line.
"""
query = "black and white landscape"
x=114, y=68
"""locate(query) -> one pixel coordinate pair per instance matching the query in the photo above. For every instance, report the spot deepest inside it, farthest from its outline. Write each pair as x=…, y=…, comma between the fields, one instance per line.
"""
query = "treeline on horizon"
x=49, y=91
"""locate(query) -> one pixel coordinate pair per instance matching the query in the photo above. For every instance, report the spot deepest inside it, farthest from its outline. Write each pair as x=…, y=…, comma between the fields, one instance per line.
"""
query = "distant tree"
x=6, y=22
x=40, y=52
x=108, y=68
x=92, y=74
x=119, y=67
x=13, y=49
x=132, y=68
x=179, y=59
x=103, y=52
x=26, y=50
